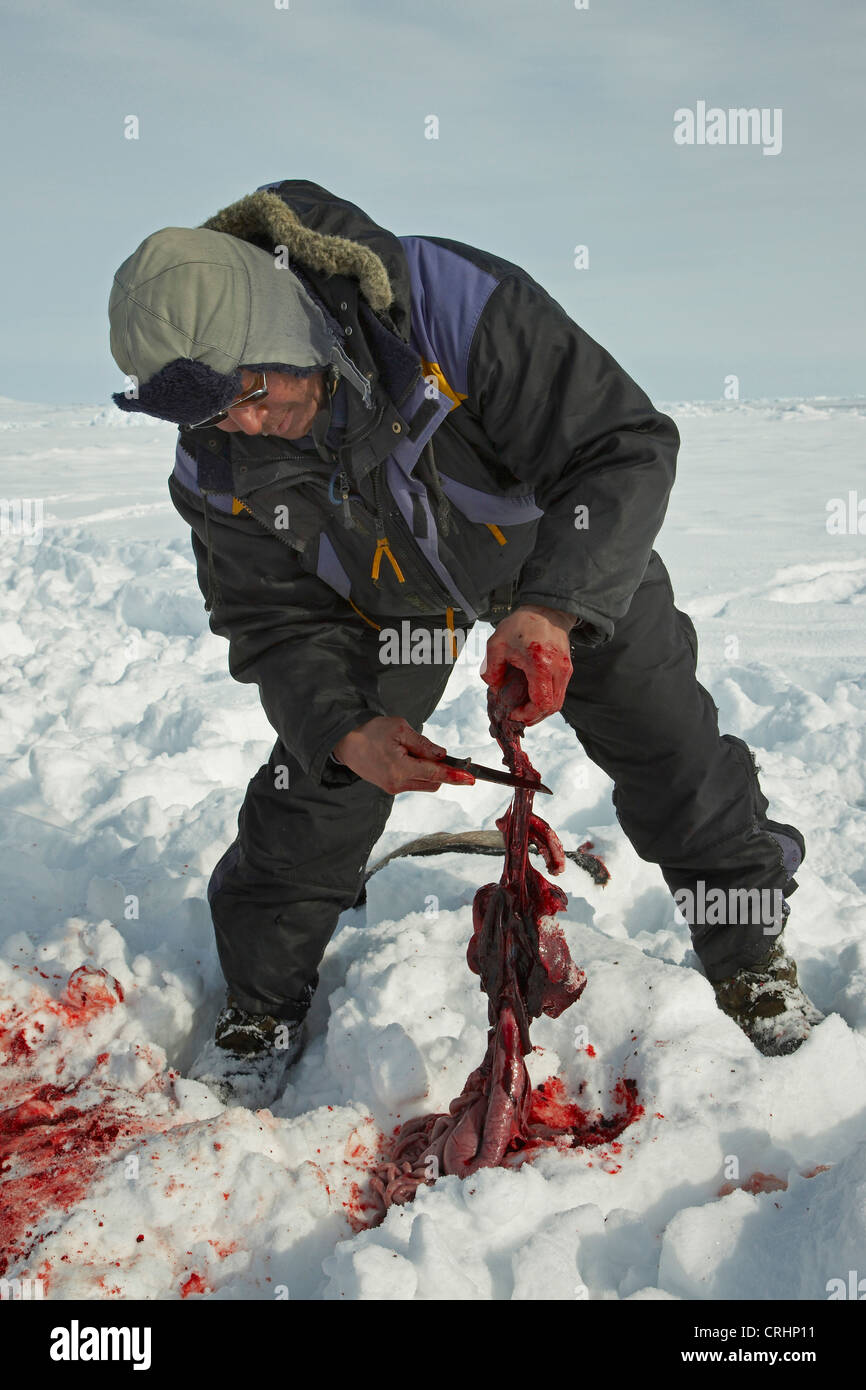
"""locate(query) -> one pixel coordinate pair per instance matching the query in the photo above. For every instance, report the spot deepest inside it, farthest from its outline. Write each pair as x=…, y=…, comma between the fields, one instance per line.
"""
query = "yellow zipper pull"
x=449, y=618
x=383, y=548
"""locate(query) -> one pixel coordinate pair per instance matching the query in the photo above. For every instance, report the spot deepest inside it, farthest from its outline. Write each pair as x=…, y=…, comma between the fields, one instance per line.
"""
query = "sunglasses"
x=256, y=393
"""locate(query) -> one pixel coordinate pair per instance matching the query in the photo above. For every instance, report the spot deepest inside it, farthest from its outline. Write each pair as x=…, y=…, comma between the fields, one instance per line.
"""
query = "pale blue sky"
x=556, y=128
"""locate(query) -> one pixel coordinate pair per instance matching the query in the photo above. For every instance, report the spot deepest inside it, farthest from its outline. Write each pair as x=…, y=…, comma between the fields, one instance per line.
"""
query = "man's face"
x=288, y=410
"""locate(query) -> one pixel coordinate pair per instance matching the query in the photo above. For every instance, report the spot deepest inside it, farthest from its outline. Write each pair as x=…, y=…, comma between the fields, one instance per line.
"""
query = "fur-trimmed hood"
x=328, y=236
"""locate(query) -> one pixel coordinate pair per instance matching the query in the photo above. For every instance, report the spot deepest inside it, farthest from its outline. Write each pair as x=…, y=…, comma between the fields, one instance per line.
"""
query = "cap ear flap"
x=182, y=391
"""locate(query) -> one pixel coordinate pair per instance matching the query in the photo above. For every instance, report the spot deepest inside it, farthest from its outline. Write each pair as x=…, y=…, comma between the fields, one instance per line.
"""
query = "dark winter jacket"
x=501, y=451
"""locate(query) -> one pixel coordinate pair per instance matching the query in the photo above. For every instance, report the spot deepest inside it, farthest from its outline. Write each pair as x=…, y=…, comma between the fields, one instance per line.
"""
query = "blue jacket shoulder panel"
x=449, y=293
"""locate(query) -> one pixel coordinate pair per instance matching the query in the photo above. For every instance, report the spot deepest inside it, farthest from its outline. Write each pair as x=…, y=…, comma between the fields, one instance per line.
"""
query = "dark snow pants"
x=687, y=798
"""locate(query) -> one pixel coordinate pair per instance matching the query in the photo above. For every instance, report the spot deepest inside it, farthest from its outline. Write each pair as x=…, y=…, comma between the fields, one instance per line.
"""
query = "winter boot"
x=768, y=1004
x=247, y=1061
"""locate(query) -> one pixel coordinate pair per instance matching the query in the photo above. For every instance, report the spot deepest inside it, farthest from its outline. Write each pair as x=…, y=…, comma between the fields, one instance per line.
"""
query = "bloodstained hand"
x=535, y=641
x=392, y=755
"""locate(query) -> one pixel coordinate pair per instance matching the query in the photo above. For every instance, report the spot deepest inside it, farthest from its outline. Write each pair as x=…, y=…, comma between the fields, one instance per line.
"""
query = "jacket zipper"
x=282, y=535
x=420, y=568
x=423, y=570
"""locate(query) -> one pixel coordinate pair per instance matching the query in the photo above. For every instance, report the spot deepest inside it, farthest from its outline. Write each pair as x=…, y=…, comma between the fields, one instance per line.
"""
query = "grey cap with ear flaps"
x=191, y=306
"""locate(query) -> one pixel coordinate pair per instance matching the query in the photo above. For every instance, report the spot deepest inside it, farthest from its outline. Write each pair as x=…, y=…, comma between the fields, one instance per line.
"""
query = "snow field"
x=127, y=748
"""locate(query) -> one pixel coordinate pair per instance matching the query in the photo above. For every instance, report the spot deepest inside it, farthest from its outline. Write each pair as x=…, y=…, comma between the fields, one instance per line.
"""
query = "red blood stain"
x=223, y=1249
x=768, y=1182
x=765, y=1182
x=361, y=1209
x=758, y=1182
x=50, y=1151
x=194, y=1284
x=16, y=1046
x=88, y=993
x=341, y=1177
x=56, y=1139
x=554, y=1118
x=355, y=1148
x=552, y=1109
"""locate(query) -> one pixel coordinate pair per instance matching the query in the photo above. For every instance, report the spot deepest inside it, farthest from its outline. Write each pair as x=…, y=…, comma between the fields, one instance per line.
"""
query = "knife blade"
x=493, y=774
